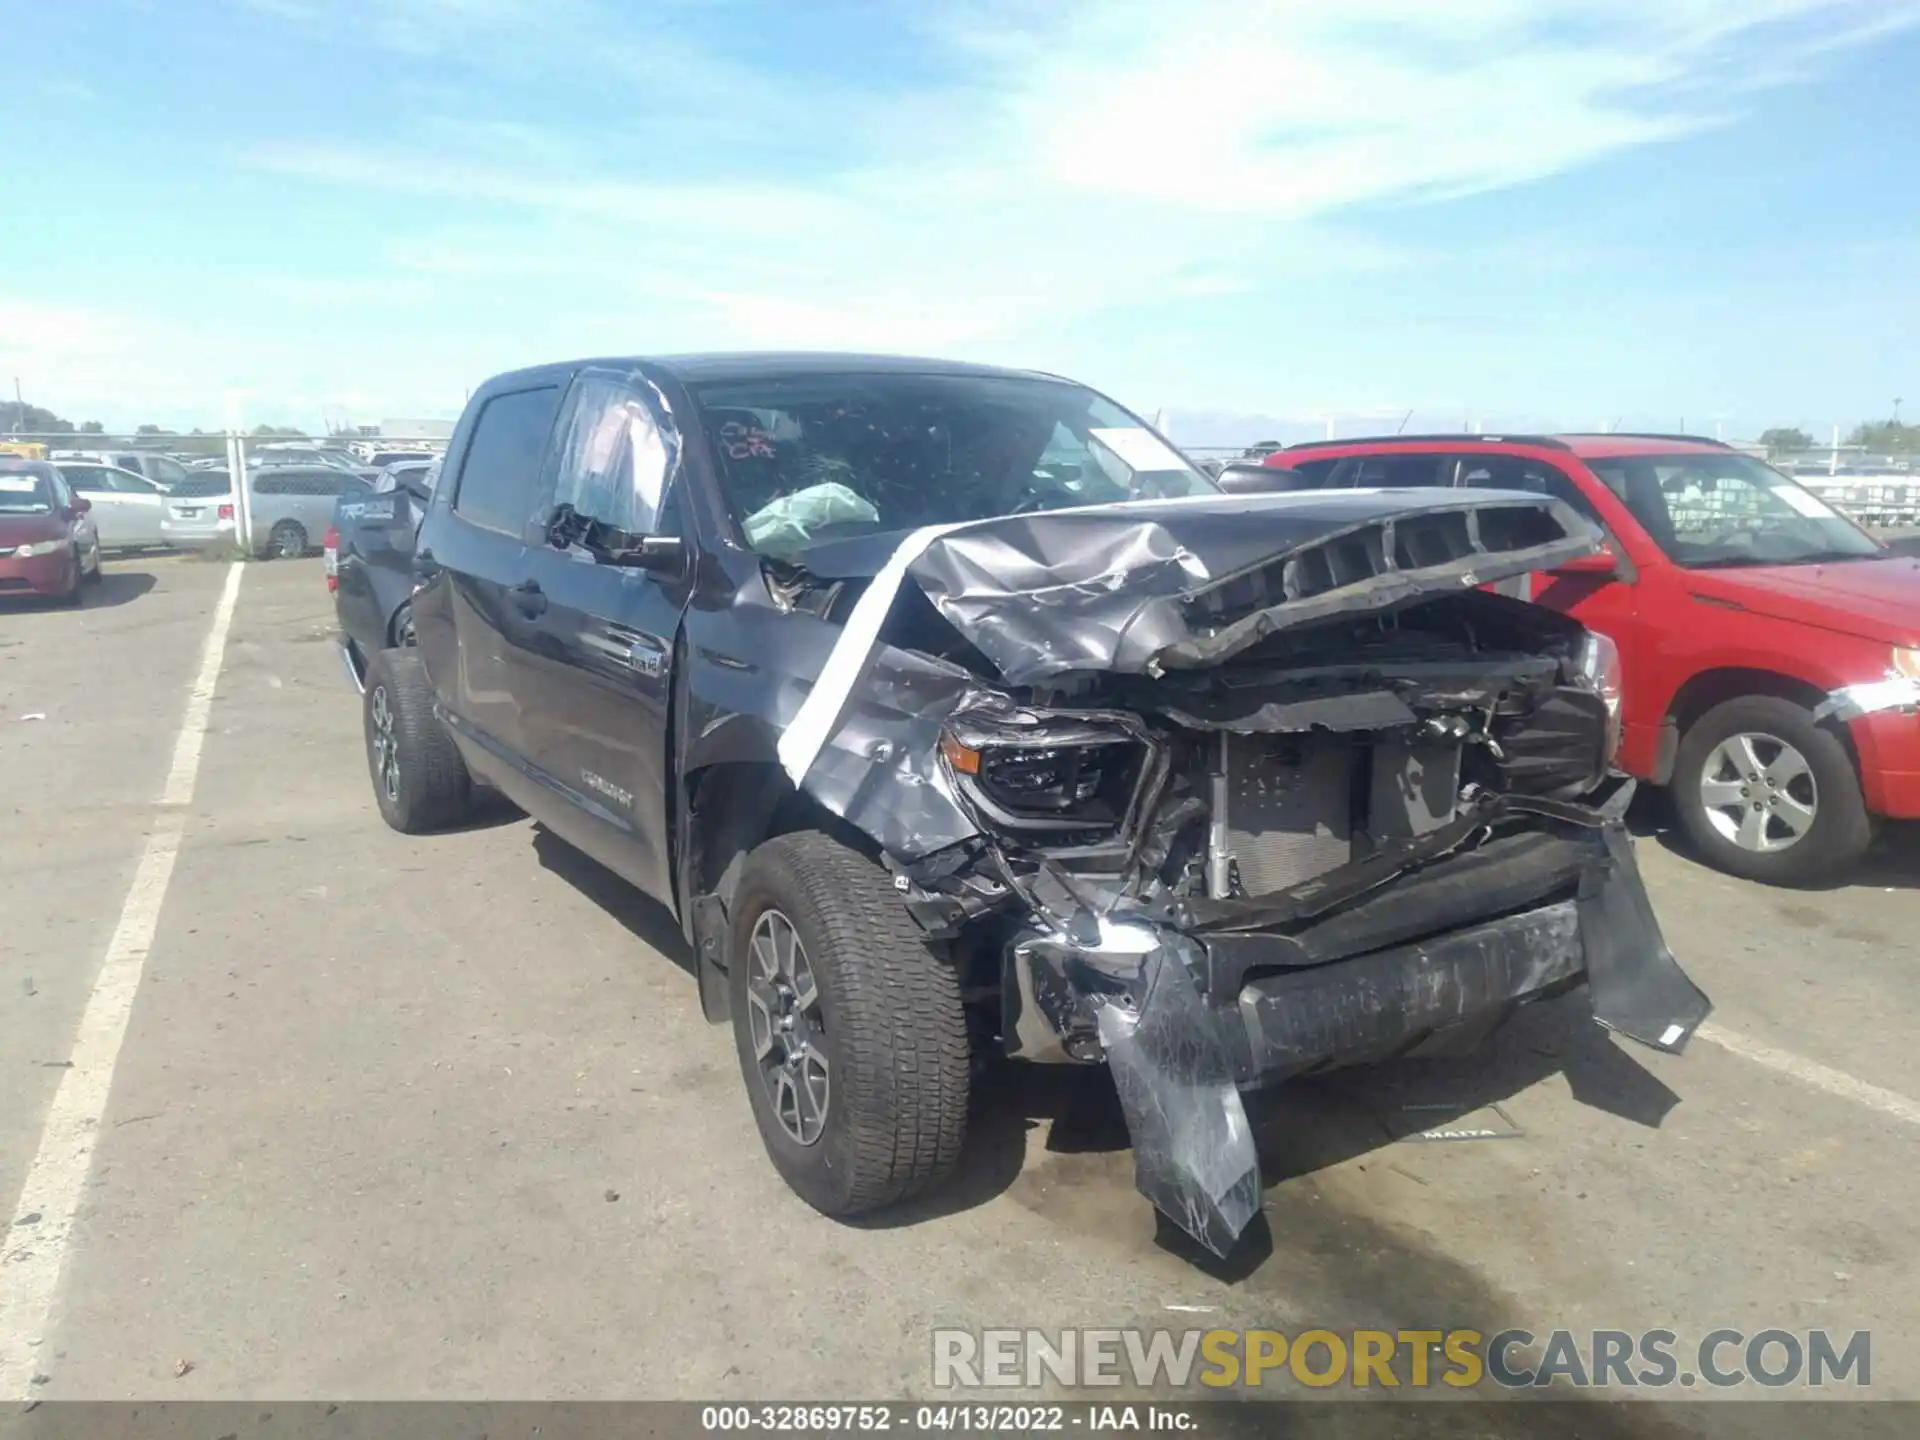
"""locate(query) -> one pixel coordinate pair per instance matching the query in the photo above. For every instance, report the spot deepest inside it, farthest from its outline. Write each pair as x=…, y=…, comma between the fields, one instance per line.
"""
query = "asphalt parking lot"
x=440, y=1118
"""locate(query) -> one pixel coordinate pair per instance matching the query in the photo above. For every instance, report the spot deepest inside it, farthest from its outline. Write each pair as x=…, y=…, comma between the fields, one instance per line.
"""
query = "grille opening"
x=1421, y=541
x=1518, y=529
x=1359, y=556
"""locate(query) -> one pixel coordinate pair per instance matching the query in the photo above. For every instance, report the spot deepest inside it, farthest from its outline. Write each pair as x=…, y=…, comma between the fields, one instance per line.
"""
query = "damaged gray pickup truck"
x=954, y=712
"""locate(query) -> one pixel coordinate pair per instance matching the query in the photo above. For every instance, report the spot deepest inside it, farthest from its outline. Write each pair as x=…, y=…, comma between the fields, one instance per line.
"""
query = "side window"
x=1392, y=472
x=270, y=485
x=496, y=484
x=1317, y=472
x=612, y=461
x=1520, y=472
x=87, y=479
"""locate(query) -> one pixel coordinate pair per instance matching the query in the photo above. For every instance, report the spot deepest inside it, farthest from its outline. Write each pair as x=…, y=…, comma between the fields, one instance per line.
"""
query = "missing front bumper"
x=1182, y=1032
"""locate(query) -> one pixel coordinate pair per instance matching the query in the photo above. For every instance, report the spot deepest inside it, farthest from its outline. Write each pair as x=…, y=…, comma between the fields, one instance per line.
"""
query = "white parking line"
x=31, y=1266
x=1812, y=1072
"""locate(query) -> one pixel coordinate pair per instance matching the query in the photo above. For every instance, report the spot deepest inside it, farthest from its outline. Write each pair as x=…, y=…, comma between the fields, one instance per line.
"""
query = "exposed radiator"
x=1282, y=810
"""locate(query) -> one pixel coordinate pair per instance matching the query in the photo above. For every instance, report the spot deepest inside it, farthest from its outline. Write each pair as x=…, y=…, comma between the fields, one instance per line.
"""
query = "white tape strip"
x=820, y=712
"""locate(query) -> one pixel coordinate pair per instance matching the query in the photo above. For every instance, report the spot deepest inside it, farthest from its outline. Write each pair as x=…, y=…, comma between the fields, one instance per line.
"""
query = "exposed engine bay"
x=1226, y=793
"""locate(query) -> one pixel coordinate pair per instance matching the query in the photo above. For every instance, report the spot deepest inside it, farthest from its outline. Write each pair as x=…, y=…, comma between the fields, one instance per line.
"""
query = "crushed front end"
x=1325, y=819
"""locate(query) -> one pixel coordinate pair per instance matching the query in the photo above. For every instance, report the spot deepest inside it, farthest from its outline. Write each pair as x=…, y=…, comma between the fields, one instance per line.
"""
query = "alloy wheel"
x=783, y=1014
x=1759, y=792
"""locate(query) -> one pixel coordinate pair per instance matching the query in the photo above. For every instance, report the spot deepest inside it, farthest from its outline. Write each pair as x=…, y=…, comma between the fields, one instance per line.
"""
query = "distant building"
x=413, y=429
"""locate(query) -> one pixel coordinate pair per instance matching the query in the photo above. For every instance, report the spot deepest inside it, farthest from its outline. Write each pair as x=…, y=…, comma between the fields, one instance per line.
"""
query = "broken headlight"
x=1054, y=779
x=1598, y=664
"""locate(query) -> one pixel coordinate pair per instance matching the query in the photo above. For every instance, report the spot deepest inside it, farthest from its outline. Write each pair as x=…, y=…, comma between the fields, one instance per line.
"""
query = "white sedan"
x=127, y=508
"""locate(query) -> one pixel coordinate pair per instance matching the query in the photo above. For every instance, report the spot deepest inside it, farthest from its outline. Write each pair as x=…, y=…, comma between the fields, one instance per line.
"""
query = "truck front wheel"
x=1766, y=793
x=850, y=1030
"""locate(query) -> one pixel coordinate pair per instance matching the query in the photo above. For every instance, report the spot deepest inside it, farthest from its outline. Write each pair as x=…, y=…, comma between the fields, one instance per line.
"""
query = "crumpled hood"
x=1150, y=586
x=1144, y=586
x=1872, y=599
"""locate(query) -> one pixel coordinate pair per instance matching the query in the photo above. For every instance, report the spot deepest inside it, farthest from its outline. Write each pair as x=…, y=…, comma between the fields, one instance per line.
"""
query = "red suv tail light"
x=225, y=512
x=330, y=548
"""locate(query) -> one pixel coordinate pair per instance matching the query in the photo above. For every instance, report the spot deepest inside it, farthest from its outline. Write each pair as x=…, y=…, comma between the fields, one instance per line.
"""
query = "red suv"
x=1770, y=647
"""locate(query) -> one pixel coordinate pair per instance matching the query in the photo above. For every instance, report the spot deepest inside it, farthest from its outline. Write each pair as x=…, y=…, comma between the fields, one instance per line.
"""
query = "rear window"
x=200, y=484
x=1521, y=472
x=1392, y=472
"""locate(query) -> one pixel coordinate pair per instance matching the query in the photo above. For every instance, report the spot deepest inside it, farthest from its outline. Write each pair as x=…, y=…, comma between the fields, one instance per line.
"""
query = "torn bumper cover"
x=1189, y=1013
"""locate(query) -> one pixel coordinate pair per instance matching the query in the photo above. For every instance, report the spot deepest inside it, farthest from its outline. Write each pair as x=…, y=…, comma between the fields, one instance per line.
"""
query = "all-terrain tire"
x=1841, y=829
x=895, y=1031
x=421, y=784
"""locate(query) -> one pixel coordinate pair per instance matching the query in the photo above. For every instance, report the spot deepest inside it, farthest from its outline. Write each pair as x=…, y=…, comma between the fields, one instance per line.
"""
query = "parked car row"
x=291, y=505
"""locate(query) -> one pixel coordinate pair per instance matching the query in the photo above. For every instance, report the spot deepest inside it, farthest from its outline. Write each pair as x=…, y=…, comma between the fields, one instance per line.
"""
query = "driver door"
x=595, y=677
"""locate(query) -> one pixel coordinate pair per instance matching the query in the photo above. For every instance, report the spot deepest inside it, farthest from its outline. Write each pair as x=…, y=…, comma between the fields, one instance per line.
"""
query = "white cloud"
x=1075, y=159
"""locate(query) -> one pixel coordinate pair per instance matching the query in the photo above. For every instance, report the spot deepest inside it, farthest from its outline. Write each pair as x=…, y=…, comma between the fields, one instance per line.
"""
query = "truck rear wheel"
x=850, y=1030
x=1766, y=793
x=419, y=780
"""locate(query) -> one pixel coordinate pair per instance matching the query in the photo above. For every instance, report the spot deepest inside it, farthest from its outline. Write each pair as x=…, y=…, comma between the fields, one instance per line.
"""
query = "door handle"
x=529, y=598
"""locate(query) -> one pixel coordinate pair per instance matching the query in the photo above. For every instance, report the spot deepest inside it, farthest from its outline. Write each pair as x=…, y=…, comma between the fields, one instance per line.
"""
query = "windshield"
x=25, y=495
x=804, y=459
x=1727, y=509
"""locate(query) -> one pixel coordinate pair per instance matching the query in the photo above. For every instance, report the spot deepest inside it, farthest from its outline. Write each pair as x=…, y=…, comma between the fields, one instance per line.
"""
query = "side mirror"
x=1242, y=477
x=418, y=489
x=1601, y=562
x=81, y=505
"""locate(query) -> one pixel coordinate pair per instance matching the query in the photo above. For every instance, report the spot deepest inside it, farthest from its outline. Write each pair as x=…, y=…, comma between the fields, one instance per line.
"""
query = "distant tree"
x=1785, y=440
x=1889, y=437
x=92, y=427
x=265, y=432
x=31, y=420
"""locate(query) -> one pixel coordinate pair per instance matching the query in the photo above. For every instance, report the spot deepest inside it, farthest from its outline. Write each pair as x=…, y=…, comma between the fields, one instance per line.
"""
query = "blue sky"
x=1516, y=212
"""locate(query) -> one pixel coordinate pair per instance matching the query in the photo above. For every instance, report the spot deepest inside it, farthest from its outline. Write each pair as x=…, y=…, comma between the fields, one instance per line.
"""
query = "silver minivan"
x=291, y=507
x=199, y=511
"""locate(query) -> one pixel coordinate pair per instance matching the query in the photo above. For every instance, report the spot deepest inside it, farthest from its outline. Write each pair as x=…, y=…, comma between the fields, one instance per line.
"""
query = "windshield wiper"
x=1822, y=557
x=1810, y=557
